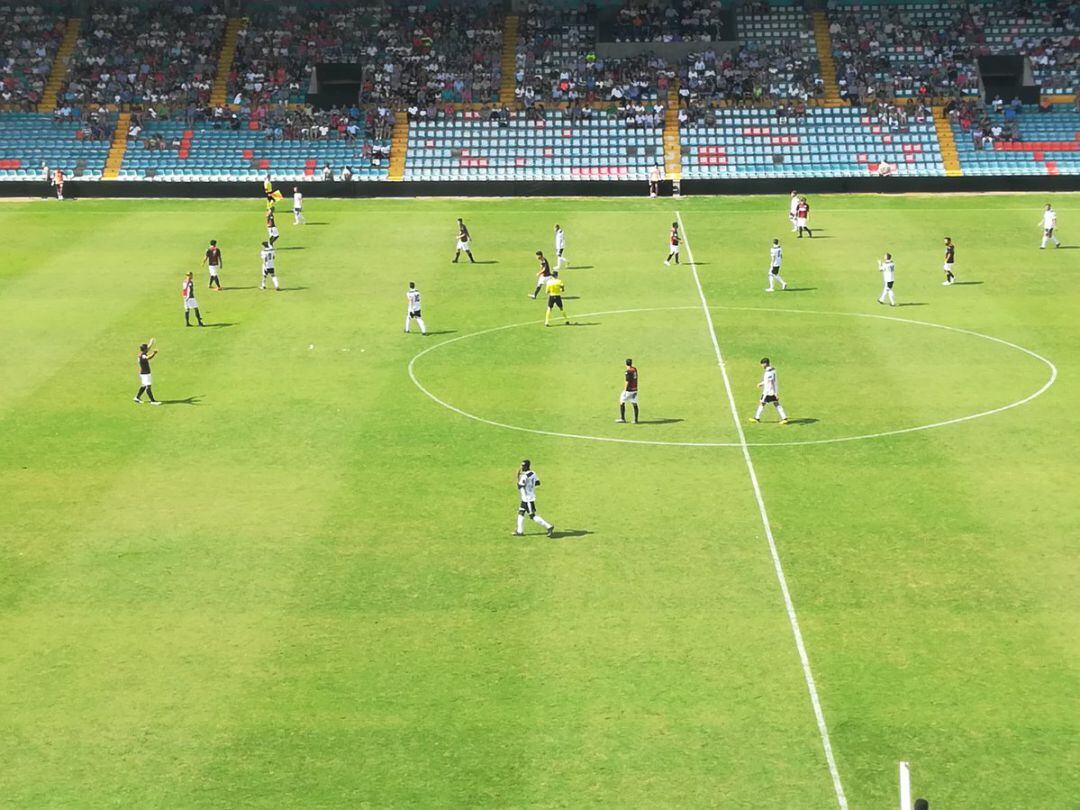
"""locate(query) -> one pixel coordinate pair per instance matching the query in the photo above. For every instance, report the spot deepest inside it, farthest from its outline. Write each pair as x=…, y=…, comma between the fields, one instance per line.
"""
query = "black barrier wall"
x=806, y=185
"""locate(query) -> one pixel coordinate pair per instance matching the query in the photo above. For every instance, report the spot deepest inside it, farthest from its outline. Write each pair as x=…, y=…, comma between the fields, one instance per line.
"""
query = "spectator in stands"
x=327, y=172
x=29, y=40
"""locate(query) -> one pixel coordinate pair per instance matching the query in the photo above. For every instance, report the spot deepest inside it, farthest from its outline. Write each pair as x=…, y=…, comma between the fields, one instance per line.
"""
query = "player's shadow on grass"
x=443, y=332
x=659, y=421
x=579, y=267
x=316, y=223
x=583, y=323
x=187, y=401
x=806, y=420
x=1067, y=247
x=489, y=261
x=913, y=304
x=571, y=297
x=800, y=289
x=568, y=533
x=218, y=325
x=226, y=289
x=294, y=289
x=965, y=283
x=293, y=247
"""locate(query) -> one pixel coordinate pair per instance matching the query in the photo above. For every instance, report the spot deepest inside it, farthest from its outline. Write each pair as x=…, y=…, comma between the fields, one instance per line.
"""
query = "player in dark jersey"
x=271, y=227
x=950, y=257
x=145, y=380
x=542, y=275
x=629, y=393
x=673, y=244
x=212, y=260
x=187, y=290
x=464, y=242
x=802, y=216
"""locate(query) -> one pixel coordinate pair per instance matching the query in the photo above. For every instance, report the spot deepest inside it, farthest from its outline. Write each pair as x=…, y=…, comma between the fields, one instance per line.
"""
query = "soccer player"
x=555, y=289
x=212, y=260
x=802, y=214
x=413, y=297
x=656, y=174
x=629, y=393
x=770, y=393
x=271, y=226
x=464, y=242
x=1049, y=222
x=950, y=257
x=145, y=379
x=297, y=206
x=560, y=246
x=268, y=186
x=190, y=304
x=527, y=482
x=776, y=256
x=673, y=242
x=543, y=274
x=268, y=259
x=887, y=268
x=58, y=182
x=793, y=210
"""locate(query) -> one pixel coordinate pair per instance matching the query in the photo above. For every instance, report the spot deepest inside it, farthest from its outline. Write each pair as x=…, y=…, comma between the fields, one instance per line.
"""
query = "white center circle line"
x=800, y=443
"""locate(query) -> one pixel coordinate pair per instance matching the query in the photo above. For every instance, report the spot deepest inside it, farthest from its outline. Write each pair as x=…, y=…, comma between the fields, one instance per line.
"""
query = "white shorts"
x=191, y=303
x=463, y=245
x=628, y=396
x=673, y=249
x=145, y=379
x=213, y=270
x=800, y=222
x=272, y=231
x=947, y=267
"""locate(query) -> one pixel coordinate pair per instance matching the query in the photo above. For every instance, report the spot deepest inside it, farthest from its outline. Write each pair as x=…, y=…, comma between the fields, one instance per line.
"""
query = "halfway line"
x=800, y=645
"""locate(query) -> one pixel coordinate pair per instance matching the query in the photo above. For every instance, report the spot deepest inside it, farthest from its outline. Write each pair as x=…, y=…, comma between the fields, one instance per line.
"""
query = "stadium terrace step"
x=60, y=65
x=219, y=93
x=825, y=59
x=115, y=158
x=672, y=142
x=507, y=82
x=947, y=143
x=399, y=146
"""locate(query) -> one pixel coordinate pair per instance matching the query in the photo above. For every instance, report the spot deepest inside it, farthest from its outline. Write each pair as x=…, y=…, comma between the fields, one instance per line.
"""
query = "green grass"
x=296, y=585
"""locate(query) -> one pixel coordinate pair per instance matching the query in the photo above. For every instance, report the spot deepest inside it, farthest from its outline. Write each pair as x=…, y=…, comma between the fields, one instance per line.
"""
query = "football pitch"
x=295, y=583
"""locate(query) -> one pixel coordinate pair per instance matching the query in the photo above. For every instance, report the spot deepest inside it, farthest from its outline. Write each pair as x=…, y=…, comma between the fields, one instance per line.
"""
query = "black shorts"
x=555, y=301
x=775, y=400
x=268, y=271
x=888, y=285
x=1049, y=232
x=775, y=270
x=527, y=508
x=415, y=314
x=559, y=252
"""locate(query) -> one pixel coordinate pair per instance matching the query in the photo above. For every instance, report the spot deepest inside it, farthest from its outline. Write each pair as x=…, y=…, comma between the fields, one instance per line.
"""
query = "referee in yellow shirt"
x=555, y=289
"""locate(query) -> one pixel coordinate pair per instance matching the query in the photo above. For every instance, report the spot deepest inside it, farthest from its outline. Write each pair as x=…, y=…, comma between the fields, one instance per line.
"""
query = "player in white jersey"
x=413, y=297
x=770, y=393
x=297, y=206
x=887, y=268
x=1049, y=222
x=560, y=246
x=792, y=208
x=776, y=256
x=268, y=259
x=527, y=482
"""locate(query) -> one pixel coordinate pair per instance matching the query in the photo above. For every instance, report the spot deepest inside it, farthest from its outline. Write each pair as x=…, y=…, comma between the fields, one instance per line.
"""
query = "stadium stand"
x=682, y=21
x=1048, y=32
x=29, y=39
x=537, y=146
x=165, y=55
x=822, y=142
x=293, y=146
x=29, y=140
x=1026, y=141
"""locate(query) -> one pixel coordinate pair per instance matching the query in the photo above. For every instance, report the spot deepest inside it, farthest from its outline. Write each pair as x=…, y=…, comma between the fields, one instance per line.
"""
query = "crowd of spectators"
x=668, y=21
x=159, y=55
x=447, y=52
x=29, y=39
x=95, y=123
x=752, y=74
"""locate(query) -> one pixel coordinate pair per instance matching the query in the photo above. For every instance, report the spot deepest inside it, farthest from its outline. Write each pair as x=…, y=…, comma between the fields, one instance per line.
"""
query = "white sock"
x=892, y=298
x=760, y=410
x=521, y=523
x=780, y=410
x=1043, y=242
x=407, y=319
x=423, y=329
x=779, y=278
x=1056, y=242
x=541, y=521
x=274, y=279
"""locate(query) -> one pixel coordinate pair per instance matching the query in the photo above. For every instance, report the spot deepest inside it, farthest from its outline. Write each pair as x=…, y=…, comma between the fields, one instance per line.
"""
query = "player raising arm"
x=527, y=482
x=146, y=381
x=887, y=268
x=770, y=393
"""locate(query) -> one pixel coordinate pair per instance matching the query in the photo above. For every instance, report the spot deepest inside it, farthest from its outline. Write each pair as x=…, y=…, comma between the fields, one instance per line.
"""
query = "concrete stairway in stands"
x=823, y=40
x=947, y=143
x=219, y=92
x=60, y=65
x=399, y=146
x=119, y=145
x=672, y=141
x=507, y=82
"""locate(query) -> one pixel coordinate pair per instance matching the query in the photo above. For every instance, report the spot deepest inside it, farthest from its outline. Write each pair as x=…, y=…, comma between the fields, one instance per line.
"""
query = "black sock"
x=141, y=389
x=187, y=317
x=150, y=393
x=456, y=255
x=622, y=411
x=536, y=292
x=635, y=412
x=198, y=316
x=469, y=254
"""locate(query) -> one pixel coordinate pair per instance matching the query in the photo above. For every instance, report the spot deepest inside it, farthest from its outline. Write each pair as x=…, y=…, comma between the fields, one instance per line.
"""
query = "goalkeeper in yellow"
x=555, y=289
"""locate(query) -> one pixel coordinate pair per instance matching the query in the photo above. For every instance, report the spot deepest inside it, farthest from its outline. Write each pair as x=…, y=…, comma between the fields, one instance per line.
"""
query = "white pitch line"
x=793, y=618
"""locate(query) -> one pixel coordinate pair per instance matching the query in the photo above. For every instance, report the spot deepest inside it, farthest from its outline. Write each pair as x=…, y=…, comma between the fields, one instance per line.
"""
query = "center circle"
x=710, y=379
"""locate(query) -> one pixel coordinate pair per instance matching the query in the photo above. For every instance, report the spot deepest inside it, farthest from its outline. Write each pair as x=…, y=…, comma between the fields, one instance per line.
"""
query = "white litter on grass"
x=312, y=346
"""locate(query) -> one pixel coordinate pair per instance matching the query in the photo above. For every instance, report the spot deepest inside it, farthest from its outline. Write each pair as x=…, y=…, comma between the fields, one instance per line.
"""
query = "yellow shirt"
x=555, y=286
x=268, y=186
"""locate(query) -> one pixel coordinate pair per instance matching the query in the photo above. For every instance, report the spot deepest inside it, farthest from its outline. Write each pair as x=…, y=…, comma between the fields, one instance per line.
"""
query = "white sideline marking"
x=799, y=443
x=800, y=645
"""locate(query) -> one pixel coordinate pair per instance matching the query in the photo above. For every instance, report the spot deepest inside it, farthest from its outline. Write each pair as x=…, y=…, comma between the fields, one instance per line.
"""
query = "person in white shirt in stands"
x=347, y=174
x=1049, y=223
x=770, y=393
x=327, y=172
x=887, y=268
